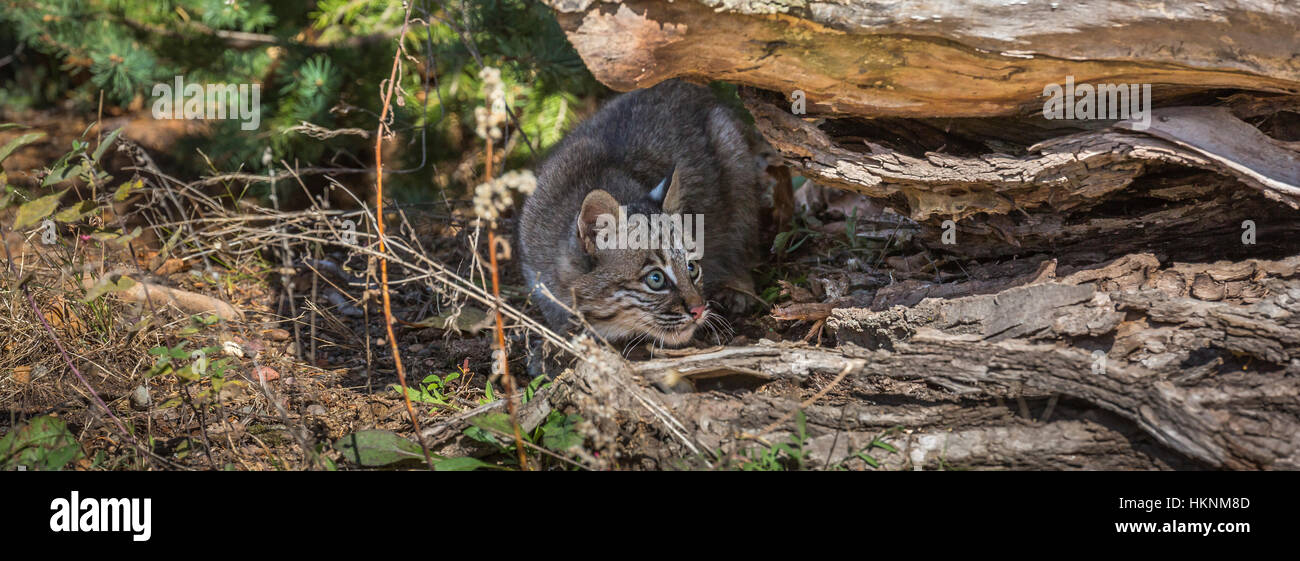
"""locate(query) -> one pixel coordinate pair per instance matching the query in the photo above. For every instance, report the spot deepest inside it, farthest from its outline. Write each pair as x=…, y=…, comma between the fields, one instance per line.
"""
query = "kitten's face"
x=652, y=294
x=641, y=287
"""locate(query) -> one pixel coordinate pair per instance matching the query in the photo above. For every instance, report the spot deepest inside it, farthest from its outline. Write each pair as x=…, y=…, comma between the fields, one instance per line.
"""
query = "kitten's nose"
x=699, y=311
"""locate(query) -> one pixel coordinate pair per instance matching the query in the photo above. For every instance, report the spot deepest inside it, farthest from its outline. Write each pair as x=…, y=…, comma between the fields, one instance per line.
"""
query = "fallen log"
x=1215, y=383
x=937, y=109
x=1140, y=271
x=925, y=59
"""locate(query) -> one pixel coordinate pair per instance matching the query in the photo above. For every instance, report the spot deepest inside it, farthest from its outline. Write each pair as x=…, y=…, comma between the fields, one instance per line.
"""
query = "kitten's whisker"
x=632, y=344
x=721, y=321
x=709, y=324
x=726, y=325
x=724, y=331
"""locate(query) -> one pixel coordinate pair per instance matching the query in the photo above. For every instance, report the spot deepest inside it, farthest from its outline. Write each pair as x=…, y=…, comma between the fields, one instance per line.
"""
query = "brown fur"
x=674, y=133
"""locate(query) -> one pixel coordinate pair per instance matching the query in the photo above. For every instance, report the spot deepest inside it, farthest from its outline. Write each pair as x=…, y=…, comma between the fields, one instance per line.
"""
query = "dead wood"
x=1010, y=179
x=1147, y=275
x=1213, y=382
x=923, y=59
x=160, y=297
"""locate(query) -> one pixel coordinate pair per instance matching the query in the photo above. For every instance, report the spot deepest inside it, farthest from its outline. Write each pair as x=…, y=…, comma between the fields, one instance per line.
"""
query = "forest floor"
x=150, y=322
x=303, y=359
x=296, y=373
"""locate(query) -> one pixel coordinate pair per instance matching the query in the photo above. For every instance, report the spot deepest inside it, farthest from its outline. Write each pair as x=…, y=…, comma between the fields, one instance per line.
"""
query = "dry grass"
x=305, y=280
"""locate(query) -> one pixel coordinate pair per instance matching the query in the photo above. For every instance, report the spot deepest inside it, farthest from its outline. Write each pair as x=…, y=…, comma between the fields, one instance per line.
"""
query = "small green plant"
x=862, y=454
x=386, y=449
x=433, y=389
x=80, y=163
x=192, y=367
x=784, y=456
x=851, y=229
x=558, y=433
x=534, y=386
x=202, y=380
x=793, y=454
x=43, y=444
x=802, y=229
x=488, y=394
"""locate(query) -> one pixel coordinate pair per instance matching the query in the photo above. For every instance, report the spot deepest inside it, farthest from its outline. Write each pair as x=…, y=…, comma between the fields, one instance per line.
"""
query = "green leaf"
x=124, y=190
x=10, y=194
x=464, y=463
x=483, y=436
x=35, y=211
x=538, y=382
x=19, y=142
x=126, y=239
x=166, y=250
x=870, y=460
x=62, y=173
x=76, y=212
x=561, y=431
x=496, y=422
x=187, y=373
x=107, y=284
x=418, y=396
x=778, y=244
x=485, y=428
x=108, y=141
x=377, y=448
x=43, y=444
x=792, y=248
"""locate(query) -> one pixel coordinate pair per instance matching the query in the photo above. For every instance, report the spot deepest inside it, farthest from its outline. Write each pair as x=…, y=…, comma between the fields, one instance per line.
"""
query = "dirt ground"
x=308, y=363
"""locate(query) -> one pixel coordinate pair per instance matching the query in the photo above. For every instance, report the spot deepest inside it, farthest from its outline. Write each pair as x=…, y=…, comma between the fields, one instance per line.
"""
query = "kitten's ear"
x=673, y=199
x=657, y=194
x=598, y=204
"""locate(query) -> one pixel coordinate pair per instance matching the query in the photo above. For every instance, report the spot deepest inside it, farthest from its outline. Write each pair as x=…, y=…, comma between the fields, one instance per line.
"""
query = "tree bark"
x=932, y=58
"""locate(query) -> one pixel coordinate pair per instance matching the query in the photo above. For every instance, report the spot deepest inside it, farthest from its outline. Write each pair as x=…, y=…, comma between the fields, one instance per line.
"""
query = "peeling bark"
x=1206, y=383
x=930, y=58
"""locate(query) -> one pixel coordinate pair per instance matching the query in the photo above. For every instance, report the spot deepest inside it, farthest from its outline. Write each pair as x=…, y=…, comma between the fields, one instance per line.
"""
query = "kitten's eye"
x=694, y=270
x=655, y=280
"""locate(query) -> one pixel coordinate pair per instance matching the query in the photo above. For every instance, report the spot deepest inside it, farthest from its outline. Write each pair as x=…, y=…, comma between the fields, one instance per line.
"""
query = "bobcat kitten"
x=671, y=149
